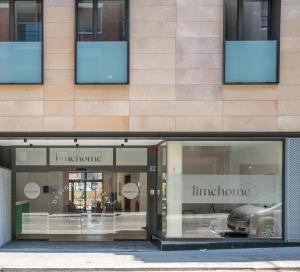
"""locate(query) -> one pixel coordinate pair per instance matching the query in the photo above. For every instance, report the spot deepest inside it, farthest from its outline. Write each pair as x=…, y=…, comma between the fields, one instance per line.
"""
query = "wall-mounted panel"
x=31, y=156
x=131, y=156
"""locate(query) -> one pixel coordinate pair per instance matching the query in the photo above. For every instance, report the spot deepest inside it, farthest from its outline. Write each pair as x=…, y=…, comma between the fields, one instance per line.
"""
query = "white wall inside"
x=44, y=202
x=5, y=206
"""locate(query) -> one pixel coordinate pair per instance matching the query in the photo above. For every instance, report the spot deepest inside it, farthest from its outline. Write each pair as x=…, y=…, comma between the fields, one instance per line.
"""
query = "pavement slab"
x=141, y=256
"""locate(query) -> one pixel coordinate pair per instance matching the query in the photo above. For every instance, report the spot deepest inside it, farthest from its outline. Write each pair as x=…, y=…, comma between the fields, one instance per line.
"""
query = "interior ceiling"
x=81, y=142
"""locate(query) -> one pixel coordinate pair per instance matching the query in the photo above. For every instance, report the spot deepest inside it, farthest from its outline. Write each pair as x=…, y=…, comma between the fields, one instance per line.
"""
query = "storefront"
x=81, y=193
x=221, y=190
x=177, y=192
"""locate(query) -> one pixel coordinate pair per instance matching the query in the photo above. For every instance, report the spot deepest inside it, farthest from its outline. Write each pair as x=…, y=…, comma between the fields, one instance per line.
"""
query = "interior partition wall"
x=5, y=206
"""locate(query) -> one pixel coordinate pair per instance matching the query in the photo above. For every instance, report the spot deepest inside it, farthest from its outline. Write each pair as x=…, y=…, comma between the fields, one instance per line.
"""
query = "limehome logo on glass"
x=244, y=190
x=63, y=157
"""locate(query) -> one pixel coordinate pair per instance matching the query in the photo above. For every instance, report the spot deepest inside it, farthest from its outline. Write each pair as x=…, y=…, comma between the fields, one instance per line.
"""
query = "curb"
x=198, y=269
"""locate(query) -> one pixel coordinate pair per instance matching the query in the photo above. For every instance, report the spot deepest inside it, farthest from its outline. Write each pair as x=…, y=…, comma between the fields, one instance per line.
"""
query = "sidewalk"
x=41, y=256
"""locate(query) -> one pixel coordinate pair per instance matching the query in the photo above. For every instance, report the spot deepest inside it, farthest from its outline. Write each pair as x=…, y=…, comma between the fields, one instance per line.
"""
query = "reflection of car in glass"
x=263, y=222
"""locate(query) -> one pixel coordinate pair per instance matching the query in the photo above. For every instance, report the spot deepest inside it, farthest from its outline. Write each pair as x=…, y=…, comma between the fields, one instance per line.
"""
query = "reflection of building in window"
x=85, y=20
x=4, y=19
x=27, y=21
x=105, y=21
x=100, y=16
x=254, y=19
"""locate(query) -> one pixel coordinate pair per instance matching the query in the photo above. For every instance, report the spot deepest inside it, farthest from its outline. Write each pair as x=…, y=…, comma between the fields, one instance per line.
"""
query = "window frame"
x=12, y=35
x=95, y=35
x=274, y=34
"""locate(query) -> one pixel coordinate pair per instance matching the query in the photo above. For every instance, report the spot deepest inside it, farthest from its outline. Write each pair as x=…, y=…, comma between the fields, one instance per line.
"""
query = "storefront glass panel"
x=223, y=189
x=161, y=213
x=89, y=206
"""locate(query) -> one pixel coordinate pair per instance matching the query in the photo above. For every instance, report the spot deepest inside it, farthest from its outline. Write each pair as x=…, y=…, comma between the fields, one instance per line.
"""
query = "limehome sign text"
x=221, y=191
x=230, y=189
x=81, y=156
x=68, y=158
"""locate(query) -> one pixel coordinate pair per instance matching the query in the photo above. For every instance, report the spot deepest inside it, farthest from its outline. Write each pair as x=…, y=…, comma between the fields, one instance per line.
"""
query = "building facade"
x=175, y=121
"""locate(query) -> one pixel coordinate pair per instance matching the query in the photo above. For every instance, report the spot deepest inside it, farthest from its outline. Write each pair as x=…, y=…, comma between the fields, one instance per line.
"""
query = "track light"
x=25, y=140
x=75, y=140
x=126, y=140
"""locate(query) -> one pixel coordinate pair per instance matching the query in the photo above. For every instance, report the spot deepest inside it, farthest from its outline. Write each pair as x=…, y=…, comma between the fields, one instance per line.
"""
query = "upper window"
x=102, y=42
x=21, y=42
x=252, y=34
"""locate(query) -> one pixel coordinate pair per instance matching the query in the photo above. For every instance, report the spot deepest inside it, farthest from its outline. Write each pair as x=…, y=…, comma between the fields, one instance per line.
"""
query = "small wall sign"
x=32, y=190
x=130, y=191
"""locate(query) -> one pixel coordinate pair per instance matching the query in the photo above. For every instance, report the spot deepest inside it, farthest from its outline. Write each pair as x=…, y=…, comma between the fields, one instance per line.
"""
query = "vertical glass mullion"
x=12, y=20
x=269, y=19
x=77, y=20
x=95, y=19
x=240, y=15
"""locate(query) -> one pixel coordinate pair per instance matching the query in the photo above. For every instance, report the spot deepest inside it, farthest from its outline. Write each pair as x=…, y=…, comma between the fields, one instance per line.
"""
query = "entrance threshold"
x=84, y=247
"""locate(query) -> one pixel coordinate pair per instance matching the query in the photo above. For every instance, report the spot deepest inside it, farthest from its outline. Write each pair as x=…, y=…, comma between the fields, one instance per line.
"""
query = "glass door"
x=82, y=207
x=131, y=206
x=77, y=196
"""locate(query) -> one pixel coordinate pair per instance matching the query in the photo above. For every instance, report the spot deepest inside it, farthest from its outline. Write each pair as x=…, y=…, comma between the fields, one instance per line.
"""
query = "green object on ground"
x=21, y=207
